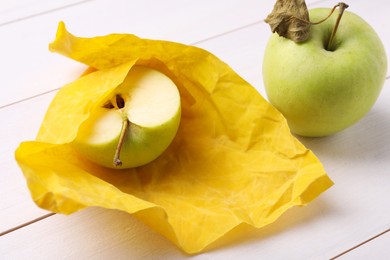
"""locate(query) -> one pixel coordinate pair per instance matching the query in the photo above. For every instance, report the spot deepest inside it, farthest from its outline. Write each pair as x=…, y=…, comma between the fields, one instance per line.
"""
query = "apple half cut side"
x=135, y=125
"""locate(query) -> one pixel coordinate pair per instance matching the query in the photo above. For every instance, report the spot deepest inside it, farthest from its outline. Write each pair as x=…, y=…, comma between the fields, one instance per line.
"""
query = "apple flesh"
x=320, y=91
x=149, y=103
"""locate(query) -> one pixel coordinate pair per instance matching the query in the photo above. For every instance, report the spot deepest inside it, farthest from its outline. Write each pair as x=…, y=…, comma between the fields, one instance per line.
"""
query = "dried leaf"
x=290, y=19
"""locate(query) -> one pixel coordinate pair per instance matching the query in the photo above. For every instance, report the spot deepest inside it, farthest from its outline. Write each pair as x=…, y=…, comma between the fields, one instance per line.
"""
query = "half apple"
x=136, y=124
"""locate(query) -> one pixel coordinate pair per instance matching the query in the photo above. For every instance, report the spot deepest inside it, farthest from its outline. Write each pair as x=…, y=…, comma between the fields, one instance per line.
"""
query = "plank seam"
x=26, y=224
x=43, y=13
x=28, y=98
x=361, y=244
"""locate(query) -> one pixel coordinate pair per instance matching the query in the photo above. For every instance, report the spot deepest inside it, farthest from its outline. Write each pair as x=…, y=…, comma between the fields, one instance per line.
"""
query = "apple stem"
x=326, y=18
x=342, y=7
x=125, y=125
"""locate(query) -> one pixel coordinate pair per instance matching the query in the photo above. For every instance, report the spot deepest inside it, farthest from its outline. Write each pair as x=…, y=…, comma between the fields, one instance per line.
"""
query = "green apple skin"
x=142, y=146
x=145, y=139
x=322, y=92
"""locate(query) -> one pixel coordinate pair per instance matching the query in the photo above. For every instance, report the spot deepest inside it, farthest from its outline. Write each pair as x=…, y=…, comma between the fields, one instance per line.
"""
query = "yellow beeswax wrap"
x=232, y=161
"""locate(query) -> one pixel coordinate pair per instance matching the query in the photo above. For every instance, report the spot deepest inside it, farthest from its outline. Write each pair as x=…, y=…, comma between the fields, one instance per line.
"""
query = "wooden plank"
x=183, y=21
x=355, y=209
x=12, y=11
x=377, y=247
x=118, y=237
x=22, y=122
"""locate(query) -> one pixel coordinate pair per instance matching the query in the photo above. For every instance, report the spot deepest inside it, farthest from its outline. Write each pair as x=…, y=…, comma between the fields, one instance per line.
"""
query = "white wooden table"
x=349, y=220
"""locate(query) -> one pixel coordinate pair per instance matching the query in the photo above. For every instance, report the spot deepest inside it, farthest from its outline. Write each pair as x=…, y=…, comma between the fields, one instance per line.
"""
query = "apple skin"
x=142, y=143
x=322, y=92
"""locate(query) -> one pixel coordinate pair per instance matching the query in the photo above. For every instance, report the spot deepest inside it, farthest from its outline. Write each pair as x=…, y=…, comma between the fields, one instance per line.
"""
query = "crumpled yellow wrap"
x=233, y=160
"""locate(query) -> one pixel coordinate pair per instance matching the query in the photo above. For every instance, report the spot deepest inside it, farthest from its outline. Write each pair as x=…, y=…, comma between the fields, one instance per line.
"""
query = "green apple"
x=322, y=90
x=135, y=124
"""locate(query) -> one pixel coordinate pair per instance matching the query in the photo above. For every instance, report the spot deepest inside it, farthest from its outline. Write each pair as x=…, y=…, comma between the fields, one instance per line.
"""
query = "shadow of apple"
x=369, y=139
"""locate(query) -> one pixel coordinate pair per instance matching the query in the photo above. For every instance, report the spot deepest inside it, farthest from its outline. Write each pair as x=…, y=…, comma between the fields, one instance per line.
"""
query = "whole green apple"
x=135, y=124
x=322, y=91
